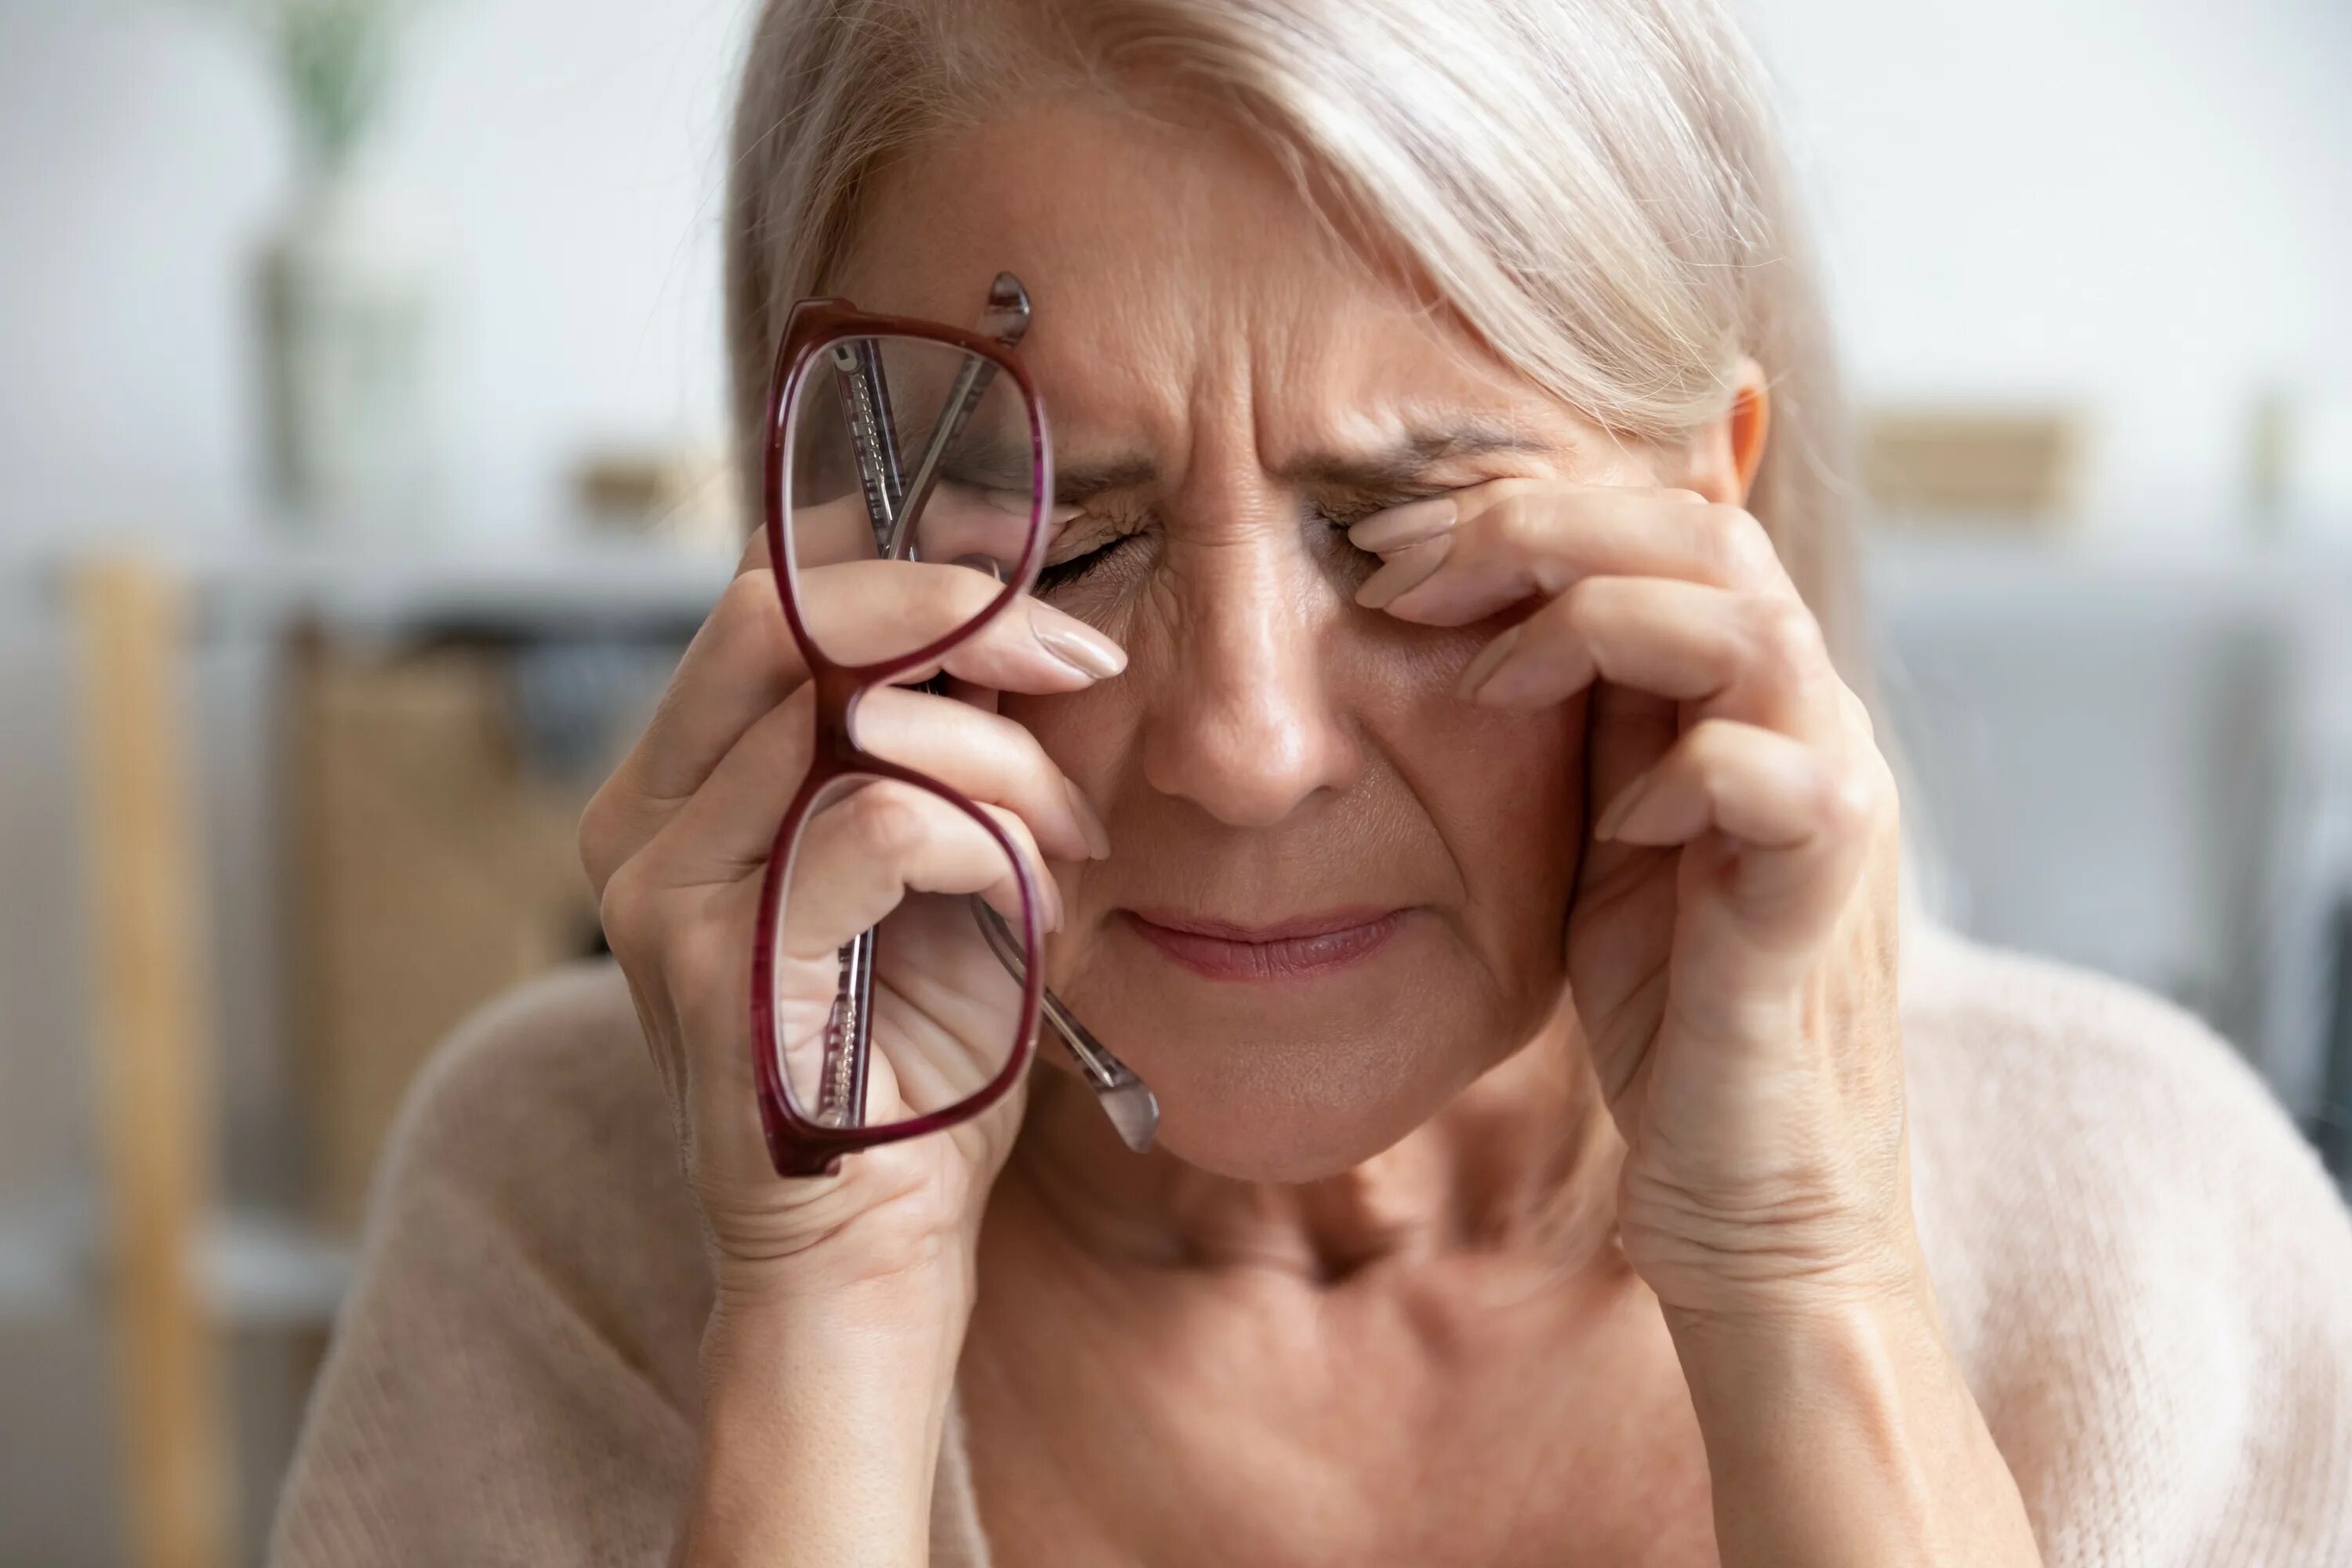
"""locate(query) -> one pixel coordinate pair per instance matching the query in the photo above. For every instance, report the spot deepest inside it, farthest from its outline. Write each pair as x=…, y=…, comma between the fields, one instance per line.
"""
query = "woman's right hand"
x=675, y=842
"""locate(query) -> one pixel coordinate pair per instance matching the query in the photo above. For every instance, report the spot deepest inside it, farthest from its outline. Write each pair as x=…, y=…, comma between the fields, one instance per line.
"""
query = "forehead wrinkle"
x=1213, y=321
x=1363, y=380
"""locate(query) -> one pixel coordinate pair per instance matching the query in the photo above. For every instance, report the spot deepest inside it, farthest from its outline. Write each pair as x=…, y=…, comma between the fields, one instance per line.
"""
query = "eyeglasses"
x=901, y=446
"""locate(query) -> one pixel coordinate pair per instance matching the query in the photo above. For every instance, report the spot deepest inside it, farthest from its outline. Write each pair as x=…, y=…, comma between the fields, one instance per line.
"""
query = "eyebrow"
x=1409, y=459
x=1392, y=467
x=1385, y=467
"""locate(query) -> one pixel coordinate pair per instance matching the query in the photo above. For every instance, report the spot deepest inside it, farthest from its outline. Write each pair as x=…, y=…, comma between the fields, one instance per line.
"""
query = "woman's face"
x=1229, y=388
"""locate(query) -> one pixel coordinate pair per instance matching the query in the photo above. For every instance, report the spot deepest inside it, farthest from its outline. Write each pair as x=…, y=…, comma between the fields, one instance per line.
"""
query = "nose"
x=1247, y=724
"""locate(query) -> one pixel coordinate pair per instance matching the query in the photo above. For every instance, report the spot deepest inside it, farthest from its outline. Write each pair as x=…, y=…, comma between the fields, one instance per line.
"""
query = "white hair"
x=1595, y=186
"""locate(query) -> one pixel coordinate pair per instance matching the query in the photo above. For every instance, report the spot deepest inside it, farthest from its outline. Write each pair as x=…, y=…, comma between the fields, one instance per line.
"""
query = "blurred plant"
x=335, y=59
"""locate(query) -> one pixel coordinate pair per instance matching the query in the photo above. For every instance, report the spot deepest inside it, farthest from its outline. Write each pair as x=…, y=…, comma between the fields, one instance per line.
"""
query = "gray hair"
x=1595, y=186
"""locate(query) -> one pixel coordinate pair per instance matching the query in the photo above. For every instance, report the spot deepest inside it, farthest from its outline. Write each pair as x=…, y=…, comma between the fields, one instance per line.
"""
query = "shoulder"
x=2144, y=1270
x=514, y=1372
x=542, y=1122
x=2031, y=1079
x=552, y=1072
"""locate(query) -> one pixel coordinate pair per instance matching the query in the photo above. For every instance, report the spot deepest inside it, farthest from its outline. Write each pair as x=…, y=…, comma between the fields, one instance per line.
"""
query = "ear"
x=1724, y=454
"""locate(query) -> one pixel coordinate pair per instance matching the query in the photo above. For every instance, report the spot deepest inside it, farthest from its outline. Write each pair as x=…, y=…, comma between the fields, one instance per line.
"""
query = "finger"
x=1797, y=818
x=858, y=856
x=1517, y=539
x=1758, y=658
x=744, y=662
x=863, y=612
x=729, y=827
x=1627, y=733
x=993, y=759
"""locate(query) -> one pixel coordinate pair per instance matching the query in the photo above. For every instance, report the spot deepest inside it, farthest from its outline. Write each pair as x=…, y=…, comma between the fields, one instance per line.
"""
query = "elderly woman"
x=1267, y=917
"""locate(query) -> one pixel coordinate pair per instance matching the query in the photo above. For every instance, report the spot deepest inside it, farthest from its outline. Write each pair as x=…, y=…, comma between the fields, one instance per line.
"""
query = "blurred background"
x=360, y=447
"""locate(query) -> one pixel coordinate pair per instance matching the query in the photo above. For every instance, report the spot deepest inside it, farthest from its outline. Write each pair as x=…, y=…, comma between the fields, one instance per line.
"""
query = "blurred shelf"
x=2001, y=544
x=591, y=581
x=1989, y=575
x=256, y=1270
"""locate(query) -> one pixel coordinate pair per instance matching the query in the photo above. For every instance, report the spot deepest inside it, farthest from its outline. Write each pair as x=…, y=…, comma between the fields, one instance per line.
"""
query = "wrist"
x=1812, y=1246
x=1746, y=1354
x=906, y=1293
x=901, y=1334
x=898, y=1247
x=1839, y=1428
x=822, y=1422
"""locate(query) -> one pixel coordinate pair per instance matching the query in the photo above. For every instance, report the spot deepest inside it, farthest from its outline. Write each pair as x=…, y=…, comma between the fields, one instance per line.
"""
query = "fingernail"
x=1489, y=659
x=1077, y=644
x=1612, y=819
x=1404, y=572
x=1403, y=525
x=1091, y=823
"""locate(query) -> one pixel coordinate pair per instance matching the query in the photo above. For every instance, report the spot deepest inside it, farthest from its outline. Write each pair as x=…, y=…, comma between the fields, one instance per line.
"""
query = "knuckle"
x=1785, y=634
x=1741, y=548
x=625, y=911
x=750, y=593
x=595, y=834
x=1514, y=521
x=1712, y=745
x=887, y=823
x=1585, y=600
x=747, y=612
x=958, y=593
x=1849, y=798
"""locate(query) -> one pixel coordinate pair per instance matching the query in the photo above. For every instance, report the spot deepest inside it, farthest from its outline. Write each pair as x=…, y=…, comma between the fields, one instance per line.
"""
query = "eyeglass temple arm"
x=1007, y=321
x=849, y=1029
x=1126, y=1098
x=857, y=369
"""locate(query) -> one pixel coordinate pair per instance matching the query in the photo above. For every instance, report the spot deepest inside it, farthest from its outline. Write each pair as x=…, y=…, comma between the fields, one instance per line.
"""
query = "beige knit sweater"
x=2147, y=1276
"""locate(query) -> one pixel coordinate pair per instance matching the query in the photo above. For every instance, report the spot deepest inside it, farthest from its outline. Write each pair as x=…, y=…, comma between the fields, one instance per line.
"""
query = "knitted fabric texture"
x=2146, y=1274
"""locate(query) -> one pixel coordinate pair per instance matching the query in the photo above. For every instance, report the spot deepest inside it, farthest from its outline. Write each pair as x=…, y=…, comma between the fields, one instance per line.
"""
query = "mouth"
x=1310, y=947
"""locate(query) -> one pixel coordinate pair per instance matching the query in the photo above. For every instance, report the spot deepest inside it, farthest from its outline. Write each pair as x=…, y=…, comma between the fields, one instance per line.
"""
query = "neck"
x=1523, y=1162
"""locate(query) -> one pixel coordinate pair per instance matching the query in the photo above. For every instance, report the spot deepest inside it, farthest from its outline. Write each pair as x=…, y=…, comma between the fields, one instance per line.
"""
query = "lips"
x=1306, y=947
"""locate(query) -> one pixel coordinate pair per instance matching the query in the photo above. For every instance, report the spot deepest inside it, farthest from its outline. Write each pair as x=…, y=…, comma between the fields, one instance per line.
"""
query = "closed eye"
x=1078, y=568
x=1335, y=514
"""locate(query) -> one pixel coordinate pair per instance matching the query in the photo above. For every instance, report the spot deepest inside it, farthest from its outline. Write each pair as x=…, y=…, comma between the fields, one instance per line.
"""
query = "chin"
x=1297, y=1110
x=1296, y=1080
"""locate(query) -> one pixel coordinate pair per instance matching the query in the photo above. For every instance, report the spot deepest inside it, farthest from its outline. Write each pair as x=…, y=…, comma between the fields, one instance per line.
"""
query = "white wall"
x=564, y=153
x=2147, y=203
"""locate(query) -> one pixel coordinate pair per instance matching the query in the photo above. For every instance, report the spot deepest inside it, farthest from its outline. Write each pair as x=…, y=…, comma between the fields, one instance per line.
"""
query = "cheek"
x=1089, y=735
x=1503, y=787
x=1506, y=792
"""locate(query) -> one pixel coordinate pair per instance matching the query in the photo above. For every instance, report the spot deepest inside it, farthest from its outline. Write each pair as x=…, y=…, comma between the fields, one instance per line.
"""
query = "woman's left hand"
x=1731, y=950
x=1732, y=960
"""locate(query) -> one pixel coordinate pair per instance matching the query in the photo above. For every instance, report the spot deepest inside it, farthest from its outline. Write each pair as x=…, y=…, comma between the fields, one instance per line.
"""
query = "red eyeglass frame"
x=797, y=1145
